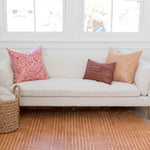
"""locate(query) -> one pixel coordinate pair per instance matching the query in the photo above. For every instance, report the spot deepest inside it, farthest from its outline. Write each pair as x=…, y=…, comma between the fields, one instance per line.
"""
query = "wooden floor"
x=84, y=129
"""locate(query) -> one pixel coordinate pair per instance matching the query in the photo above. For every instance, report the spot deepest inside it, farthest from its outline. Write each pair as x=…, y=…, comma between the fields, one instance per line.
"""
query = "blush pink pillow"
x=27, y=66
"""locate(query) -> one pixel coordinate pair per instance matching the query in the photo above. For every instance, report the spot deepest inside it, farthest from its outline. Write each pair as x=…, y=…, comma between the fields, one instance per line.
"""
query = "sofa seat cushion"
x=60, y=87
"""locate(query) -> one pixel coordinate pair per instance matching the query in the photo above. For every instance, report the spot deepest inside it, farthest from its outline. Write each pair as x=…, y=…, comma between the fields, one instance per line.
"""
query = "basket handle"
x=19, y=91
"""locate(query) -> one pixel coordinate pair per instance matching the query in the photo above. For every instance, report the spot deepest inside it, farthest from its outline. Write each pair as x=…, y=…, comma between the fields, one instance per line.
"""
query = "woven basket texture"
x=9, y=113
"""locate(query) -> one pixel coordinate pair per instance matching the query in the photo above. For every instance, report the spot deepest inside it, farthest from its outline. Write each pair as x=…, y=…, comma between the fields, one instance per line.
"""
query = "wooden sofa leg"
x=148, y=112
x=73, y=109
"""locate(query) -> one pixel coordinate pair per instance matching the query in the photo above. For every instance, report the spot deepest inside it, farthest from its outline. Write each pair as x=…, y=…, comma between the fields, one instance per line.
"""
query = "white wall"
x=76, y=47
x=73, y=38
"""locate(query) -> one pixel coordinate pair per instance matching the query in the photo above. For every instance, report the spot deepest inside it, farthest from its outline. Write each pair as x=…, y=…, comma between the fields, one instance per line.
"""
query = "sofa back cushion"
x=70, y=64
x=6, y=74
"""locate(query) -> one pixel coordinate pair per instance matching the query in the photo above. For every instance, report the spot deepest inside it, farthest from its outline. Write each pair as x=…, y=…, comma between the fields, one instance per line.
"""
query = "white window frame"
x=140, y=17
x=28, y=35
x=113, y=35
x=73, y=27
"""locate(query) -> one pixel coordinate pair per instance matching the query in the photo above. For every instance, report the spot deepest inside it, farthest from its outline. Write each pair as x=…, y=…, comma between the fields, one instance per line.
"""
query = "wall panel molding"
x=74, y=44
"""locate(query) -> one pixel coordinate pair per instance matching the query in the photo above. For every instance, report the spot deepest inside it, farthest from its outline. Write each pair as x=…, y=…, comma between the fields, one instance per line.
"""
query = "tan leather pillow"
x=99, y=71
x=126, y=64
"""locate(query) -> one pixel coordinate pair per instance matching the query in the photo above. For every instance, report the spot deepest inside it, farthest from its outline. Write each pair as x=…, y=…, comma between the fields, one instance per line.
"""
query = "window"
x=34, y=15
x=111, y=15
x=74, y=20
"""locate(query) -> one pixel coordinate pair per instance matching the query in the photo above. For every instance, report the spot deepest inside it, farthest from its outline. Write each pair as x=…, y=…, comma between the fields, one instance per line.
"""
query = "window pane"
x=49, y=15
x=20, y=15
x=97, y=15
x=126, y=15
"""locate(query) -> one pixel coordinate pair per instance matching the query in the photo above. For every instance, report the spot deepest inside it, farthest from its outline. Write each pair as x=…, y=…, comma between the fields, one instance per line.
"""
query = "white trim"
x=146, y=21
x=71, y=36
x=4, y=24
x=82, y=15
x=60, y=39
x=112, y=5
x=141, y=12
x=34, y=15
x=1, y=17
x=64, y=15
x=76, y=45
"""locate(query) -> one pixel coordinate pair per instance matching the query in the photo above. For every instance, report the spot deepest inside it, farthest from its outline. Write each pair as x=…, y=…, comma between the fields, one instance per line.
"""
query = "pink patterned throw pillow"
x=27, y=66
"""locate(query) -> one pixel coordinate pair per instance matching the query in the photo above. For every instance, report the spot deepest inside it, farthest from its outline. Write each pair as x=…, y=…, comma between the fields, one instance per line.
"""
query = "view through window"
x=111, y=15
x=35, y=15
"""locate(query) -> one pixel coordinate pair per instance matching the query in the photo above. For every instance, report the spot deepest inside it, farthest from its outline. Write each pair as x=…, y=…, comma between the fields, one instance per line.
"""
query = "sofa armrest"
x=142, y=77
x=6, y=74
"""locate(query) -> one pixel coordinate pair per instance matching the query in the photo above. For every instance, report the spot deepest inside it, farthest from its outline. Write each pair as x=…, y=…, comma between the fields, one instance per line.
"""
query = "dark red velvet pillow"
x=99, y=71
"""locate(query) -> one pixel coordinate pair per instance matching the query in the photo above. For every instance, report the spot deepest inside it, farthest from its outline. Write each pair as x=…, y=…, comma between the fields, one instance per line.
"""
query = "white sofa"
x=67, y=88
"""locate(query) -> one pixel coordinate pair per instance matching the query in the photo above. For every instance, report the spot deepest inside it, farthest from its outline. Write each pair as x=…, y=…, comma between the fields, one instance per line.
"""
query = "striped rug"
x=83, y=129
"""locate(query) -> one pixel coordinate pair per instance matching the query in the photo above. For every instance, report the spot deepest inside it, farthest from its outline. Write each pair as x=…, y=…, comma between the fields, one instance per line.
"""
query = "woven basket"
x=9, y=113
